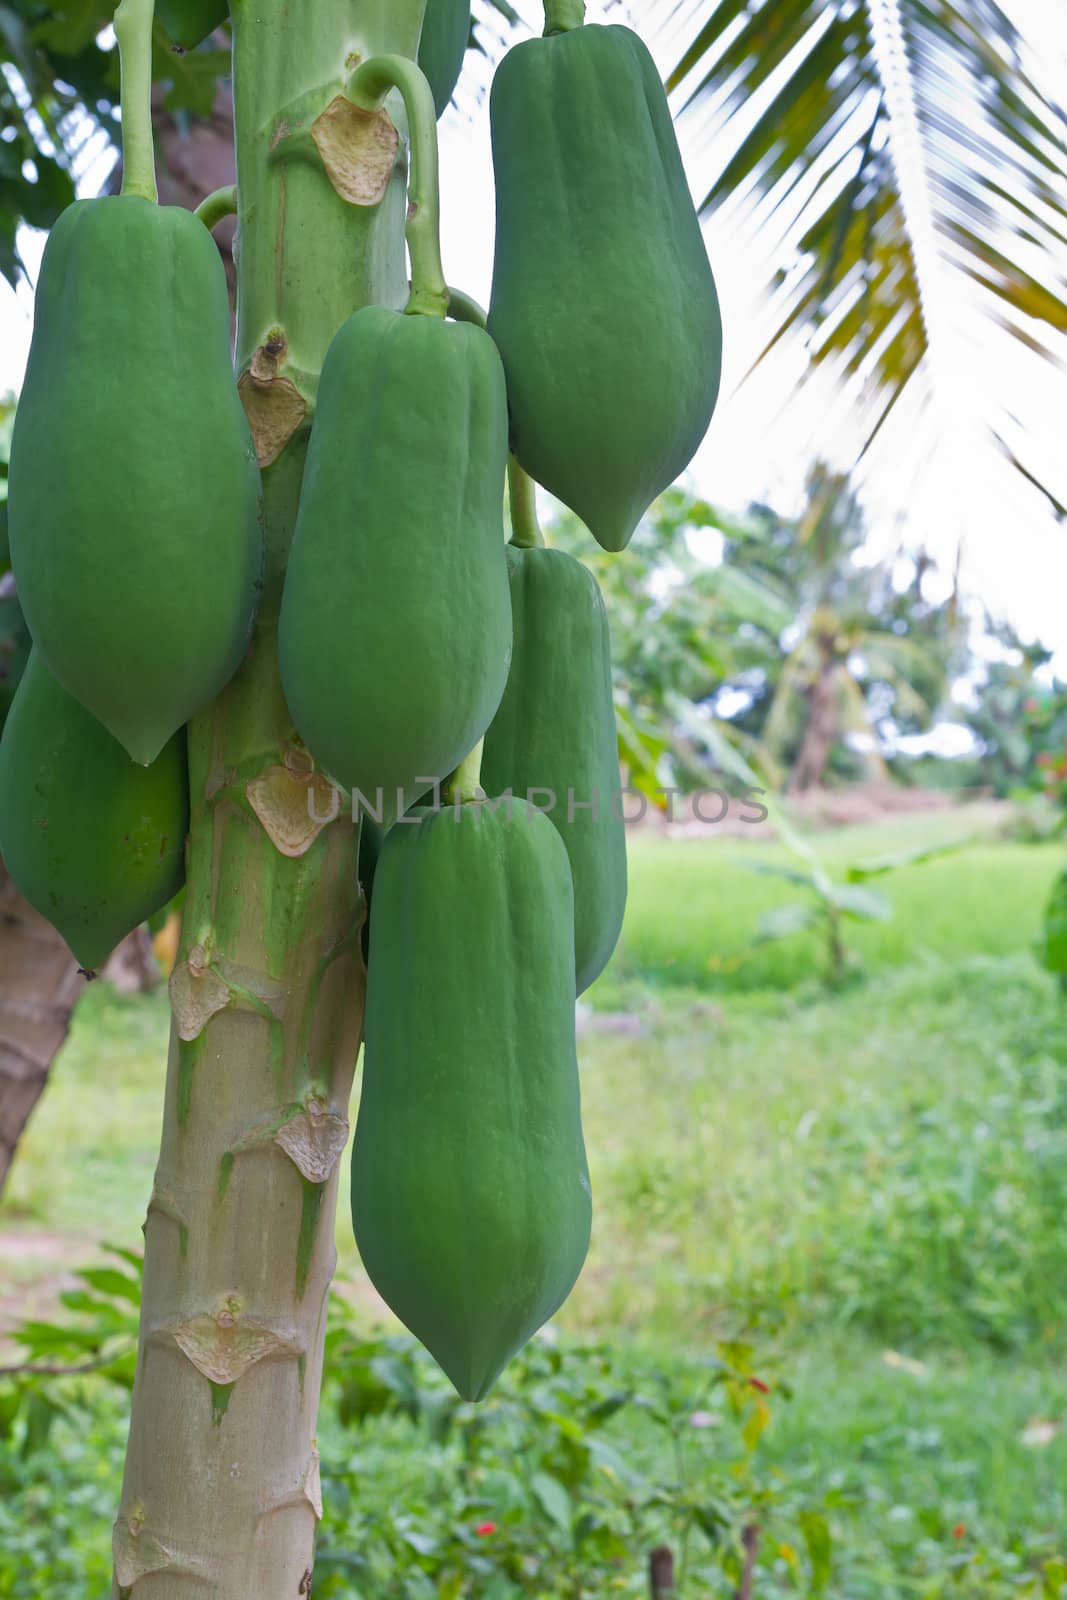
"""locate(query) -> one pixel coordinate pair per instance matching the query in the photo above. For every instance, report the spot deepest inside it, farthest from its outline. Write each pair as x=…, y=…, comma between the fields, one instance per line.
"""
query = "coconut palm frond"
x=893, y=147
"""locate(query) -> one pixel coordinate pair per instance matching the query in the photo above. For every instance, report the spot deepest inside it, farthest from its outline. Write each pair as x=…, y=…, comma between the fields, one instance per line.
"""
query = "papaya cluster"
x=491, y=912
x=423, y=658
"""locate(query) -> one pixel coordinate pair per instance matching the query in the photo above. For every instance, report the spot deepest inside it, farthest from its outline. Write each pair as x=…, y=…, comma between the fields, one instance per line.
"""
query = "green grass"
x=85, y=1166
x=893, y=1159
x=941, y=1477
x=870, y=1186
x=693, y=906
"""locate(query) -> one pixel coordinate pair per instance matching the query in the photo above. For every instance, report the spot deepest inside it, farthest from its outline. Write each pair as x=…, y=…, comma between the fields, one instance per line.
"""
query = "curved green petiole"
x=461, y=308
x=215, y=206
x=367, y=88
x=522, y=491
x=133, y=30
x=522, y=497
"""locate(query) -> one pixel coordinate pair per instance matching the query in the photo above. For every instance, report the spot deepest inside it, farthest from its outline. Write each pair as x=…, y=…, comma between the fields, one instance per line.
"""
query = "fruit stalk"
x=522, y=497
x=221, y=1490
x=563, y=15
x=133, y=30
x=218, y=204
x=464, y=785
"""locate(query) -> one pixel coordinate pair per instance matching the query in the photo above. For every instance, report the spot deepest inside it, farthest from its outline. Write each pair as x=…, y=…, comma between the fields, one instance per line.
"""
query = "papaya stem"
x=464, y=785
x=367, y=88
x=461, y=308
x=133, y=30
x=563, y=15
x=522, y=497
x=215, y=206
x=522, y=491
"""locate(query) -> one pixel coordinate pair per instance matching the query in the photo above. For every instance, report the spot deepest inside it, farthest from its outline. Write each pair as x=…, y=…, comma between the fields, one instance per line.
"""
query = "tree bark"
x=821, y=729
x=221, y=1490
x=39, y=983
x=661, y=1573
x=750, y=1545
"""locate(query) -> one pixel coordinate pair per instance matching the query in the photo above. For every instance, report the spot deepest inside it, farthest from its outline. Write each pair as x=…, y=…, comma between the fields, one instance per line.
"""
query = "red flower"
x=758, y=1383
x=484, y=1529
x=959, y=1530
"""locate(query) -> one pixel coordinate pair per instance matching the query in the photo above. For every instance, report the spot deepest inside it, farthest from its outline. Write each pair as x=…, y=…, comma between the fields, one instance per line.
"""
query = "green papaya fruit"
x=397, y=575
x=470, y=1191
x=94, y=842
x=189, y=22
x=14, y=646
x=603, y=305
x=134, y=489
x=445, y=31
x=555, y=732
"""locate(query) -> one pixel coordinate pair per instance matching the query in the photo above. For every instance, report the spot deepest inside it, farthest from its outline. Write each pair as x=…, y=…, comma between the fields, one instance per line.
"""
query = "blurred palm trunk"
x=39, y=983
x=821, y=730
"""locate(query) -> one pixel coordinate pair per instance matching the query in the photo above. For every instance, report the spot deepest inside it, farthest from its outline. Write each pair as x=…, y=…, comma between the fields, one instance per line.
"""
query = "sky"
x=935, y=481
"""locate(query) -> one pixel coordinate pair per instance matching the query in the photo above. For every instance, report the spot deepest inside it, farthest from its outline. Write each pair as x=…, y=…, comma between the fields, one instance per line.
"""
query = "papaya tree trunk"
x=39, y=984
x=221, y=1489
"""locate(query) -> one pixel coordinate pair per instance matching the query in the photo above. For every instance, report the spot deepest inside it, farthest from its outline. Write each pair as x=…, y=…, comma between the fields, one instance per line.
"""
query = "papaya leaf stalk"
x=522, y=497
x=218, y=204
x=368, y=87
x=463, y=308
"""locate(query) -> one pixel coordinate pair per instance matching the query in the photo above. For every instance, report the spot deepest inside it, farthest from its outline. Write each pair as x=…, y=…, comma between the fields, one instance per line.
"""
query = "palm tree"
x=857, y=654
x=907, y=161
x=681, y=630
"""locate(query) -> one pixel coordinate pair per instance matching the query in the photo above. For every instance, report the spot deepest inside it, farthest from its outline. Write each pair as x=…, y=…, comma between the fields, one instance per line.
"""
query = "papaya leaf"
x=48, y=194
x=860, y=871
x=864, y=904
x=72, y=25
x=784, y=921
x=194, y=78
x=777, y=869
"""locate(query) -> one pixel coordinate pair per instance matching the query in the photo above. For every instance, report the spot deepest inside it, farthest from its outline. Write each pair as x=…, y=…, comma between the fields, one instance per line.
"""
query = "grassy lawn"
x=868, y=1186
x=693, y=906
